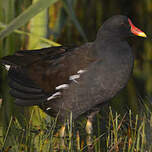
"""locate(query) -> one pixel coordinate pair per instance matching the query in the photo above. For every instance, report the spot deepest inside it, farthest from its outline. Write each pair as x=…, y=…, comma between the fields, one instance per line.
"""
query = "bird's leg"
x=89, y=126
x=90, y=120
x=89, y=129
x=62, y=131
x=61, y=136
x=60, y=145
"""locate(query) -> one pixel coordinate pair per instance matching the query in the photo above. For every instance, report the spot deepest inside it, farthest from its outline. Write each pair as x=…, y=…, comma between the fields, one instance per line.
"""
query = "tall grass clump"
x=123, y=133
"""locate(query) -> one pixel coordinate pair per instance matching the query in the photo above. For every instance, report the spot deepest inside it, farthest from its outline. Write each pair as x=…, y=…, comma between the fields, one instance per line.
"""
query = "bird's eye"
x=122, y=23
x=125, y=25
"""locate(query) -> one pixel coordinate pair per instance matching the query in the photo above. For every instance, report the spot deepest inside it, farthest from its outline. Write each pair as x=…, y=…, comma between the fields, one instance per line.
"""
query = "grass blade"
x=7, y=132
x=24, y=17
x=44, y=40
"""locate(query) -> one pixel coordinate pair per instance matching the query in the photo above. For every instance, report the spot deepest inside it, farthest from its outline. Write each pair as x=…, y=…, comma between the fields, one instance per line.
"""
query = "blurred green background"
x=33, y=24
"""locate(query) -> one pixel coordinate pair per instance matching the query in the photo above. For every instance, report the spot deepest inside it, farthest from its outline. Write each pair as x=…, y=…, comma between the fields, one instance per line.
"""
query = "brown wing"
x=34, y=75
x=50, y=72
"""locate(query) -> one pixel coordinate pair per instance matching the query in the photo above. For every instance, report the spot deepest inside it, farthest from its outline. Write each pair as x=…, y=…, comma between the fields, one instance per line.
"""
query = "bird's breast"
x=101, y=81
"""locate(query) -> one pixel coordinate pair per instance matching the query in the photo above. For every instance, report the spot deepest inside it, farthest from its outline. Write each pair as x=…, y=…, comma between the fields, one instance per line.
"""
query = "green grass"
x=124, y=133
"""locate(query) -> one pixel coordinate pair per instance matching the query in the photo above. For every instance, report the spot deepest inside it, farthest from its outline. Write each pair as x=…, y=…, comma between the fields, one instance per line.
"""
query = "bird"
x=63, y=80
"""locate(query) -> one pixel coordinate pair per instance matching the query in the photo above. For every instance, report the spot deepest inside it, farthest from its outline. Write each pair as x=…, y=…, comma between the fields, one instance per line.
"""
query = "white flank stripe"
x=54, y=96
x=7, y=67
x=81, y=71
x=63, y=86
x=48, y=108
x=73, y=77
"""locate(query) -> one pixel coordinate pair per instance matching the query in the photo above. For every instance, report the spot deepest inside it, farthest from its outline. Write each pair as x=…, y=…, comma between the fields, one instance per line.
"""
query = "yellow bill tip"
x=142, y=34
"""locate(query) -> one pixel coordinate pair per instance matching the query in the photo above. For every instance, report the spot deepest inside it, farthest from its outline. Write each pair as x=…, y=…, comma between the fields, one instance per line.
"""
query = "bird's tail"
x=24, y=90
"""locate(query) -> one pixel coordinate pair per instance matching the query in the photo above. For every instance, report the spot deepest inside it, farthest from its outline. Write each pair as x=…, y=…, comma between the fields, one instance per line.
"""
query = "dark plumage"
x=62, y=79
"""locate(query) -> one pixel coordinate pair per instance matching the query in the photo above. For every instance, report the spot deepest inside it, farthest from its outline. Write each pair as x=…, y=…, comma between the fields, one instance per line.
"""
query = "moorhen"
x=63, y=80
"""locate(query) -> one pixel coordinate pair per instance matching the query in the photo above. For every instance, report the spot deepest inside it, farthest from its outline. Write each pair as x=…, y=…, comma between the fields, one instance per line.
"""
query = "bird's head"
x=119, y=26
